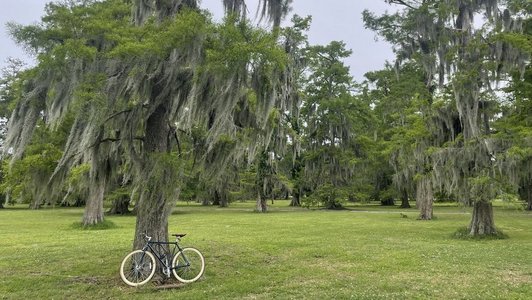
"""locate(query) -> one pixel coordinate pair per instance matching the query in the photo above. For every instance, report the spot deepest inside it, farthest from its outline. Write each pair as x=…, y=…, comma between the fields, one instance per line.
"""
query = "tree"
x=296, y=43
x=396, y=96
x=25, y=180
x=131, y=87
x=334, y=121
x=512, y=130
x=468, y=60
x=9, y=87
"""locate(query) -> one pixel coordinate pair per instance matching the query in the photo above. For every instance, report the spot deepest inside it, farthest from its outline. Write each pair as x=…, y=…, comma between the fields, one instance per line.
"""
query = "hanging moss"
x=114, y=77
x=467, y=61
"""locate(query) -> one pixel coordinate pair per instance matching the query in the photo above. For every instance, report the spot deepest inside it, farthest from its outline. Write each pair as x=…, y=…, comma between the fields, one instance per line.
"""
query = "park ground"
x=365, y=252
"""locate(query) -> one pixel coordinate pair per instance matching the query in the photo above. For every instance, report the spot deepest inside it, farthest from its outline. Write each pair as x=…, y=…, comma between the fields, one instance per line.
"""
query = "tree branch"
x=401, y=2
x=117, y=113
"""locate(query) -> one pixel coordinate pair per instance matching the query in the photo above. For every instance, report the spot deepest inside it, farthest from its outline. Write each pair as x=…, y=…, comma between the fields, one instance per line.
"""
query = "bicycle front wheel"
x=188, y=265
x=137, y=268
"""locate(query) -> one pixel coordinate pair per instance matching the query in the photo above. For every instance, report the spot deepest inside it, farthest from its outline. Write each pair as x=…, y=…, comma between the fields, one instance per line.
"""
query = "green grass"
x=367, y=252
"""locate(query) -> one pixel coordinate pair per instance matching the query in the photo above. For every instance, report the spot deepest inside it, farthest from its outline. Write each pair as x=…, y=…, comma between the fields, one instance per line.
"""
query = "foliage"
x=513, y=128
x=466, y=61
x=25, y=180
x=403, y=125
x=334, y=123
x=326, y=195
x=127, y=87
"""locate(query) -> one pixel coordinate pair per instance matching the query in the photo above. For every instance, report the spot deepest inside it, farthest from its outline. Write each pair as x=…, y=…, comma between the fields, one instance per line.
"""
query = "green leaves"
x=159, y=39
x=26, y=178
x=236, y=45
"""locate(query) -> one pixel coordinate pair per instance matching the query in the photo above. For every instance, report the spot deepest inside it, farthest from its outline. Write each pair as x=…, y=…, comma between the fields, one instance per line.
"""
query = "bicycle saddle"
x=179, y=235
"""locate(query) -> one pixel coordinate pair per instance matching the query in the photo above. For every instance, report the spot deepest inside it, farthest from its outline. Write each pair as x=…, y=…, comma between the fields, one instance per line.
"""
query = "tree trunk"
x=424, y=198
x=220, y=198
x=2, y=200
x=482, y=222
x=35, y=204
x=94, y=213
x=261, y=206
x=296, y=198
x=156, y=181
x=529, y=196
x=262, y=184
x=525, y=193
x=152, y=218
x=388, y=201
x=224, y=200
x=216, y=198
x=120, y=206
x=404, y=199
x=79, y=202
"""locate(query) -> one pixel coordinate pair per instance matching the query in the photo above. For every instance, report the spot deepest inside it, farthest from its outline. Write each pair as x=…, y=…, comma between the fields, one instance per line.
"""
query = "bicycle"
x=138, y=267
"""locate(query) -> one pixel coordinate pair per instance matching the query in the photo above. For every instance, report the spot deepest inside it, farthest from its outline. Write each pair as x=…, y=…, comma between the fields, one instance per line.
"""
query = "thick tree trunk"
x=424, y=198
x=216, y=198
x=525, y=193
x=261, y=206
x=94, y=213
x=155, y=205
x=482, y=222
x=220, y=198
x=224, y=201
x=35, y=204
x=388, y=202
x=404, y=199
x=296, y=198
x=120, y=206
x=2, y=200
x=154, y=208
x=152, y=218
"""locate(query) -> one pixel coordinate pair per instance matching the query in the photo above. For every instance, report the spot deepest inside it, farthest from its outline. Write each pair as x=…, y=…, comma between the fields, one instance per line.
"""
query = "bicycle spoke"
x=137, y=268
x=189, y=265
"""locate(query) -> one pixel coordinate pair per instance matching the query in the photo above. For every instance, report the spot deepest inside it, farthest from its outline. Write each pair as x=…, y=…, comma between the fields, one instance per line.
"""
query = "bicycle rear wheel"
x=137, y=268
x=188, y=265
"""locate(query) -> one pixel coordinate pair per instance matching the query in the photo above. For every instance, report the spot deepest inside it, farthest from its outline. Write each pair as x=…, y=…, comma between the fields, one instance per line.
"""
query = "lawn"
x=367, y=252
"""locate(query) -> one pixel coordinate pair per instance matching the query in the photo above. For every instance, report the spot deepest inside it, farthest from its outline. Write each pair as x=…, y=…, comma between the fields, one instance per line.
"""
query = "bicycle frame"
x=160, y=257
x=186, y=264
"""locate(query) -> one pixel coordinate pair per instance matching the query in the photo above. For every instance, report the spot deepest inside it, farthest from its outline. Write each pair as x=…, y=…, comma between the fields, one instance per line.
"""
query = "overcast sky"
x=332, y=20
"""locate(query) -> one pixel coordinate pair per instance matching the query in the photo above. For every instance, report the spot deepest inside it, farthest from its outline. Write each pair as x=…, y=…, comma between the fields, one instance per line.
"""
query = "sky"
x=332, y=20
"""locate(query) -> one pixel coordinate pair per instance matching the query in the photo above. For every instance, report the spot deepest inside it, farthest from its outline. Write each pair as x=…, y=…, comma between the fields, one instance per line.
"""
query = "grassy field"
x=368, y=252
